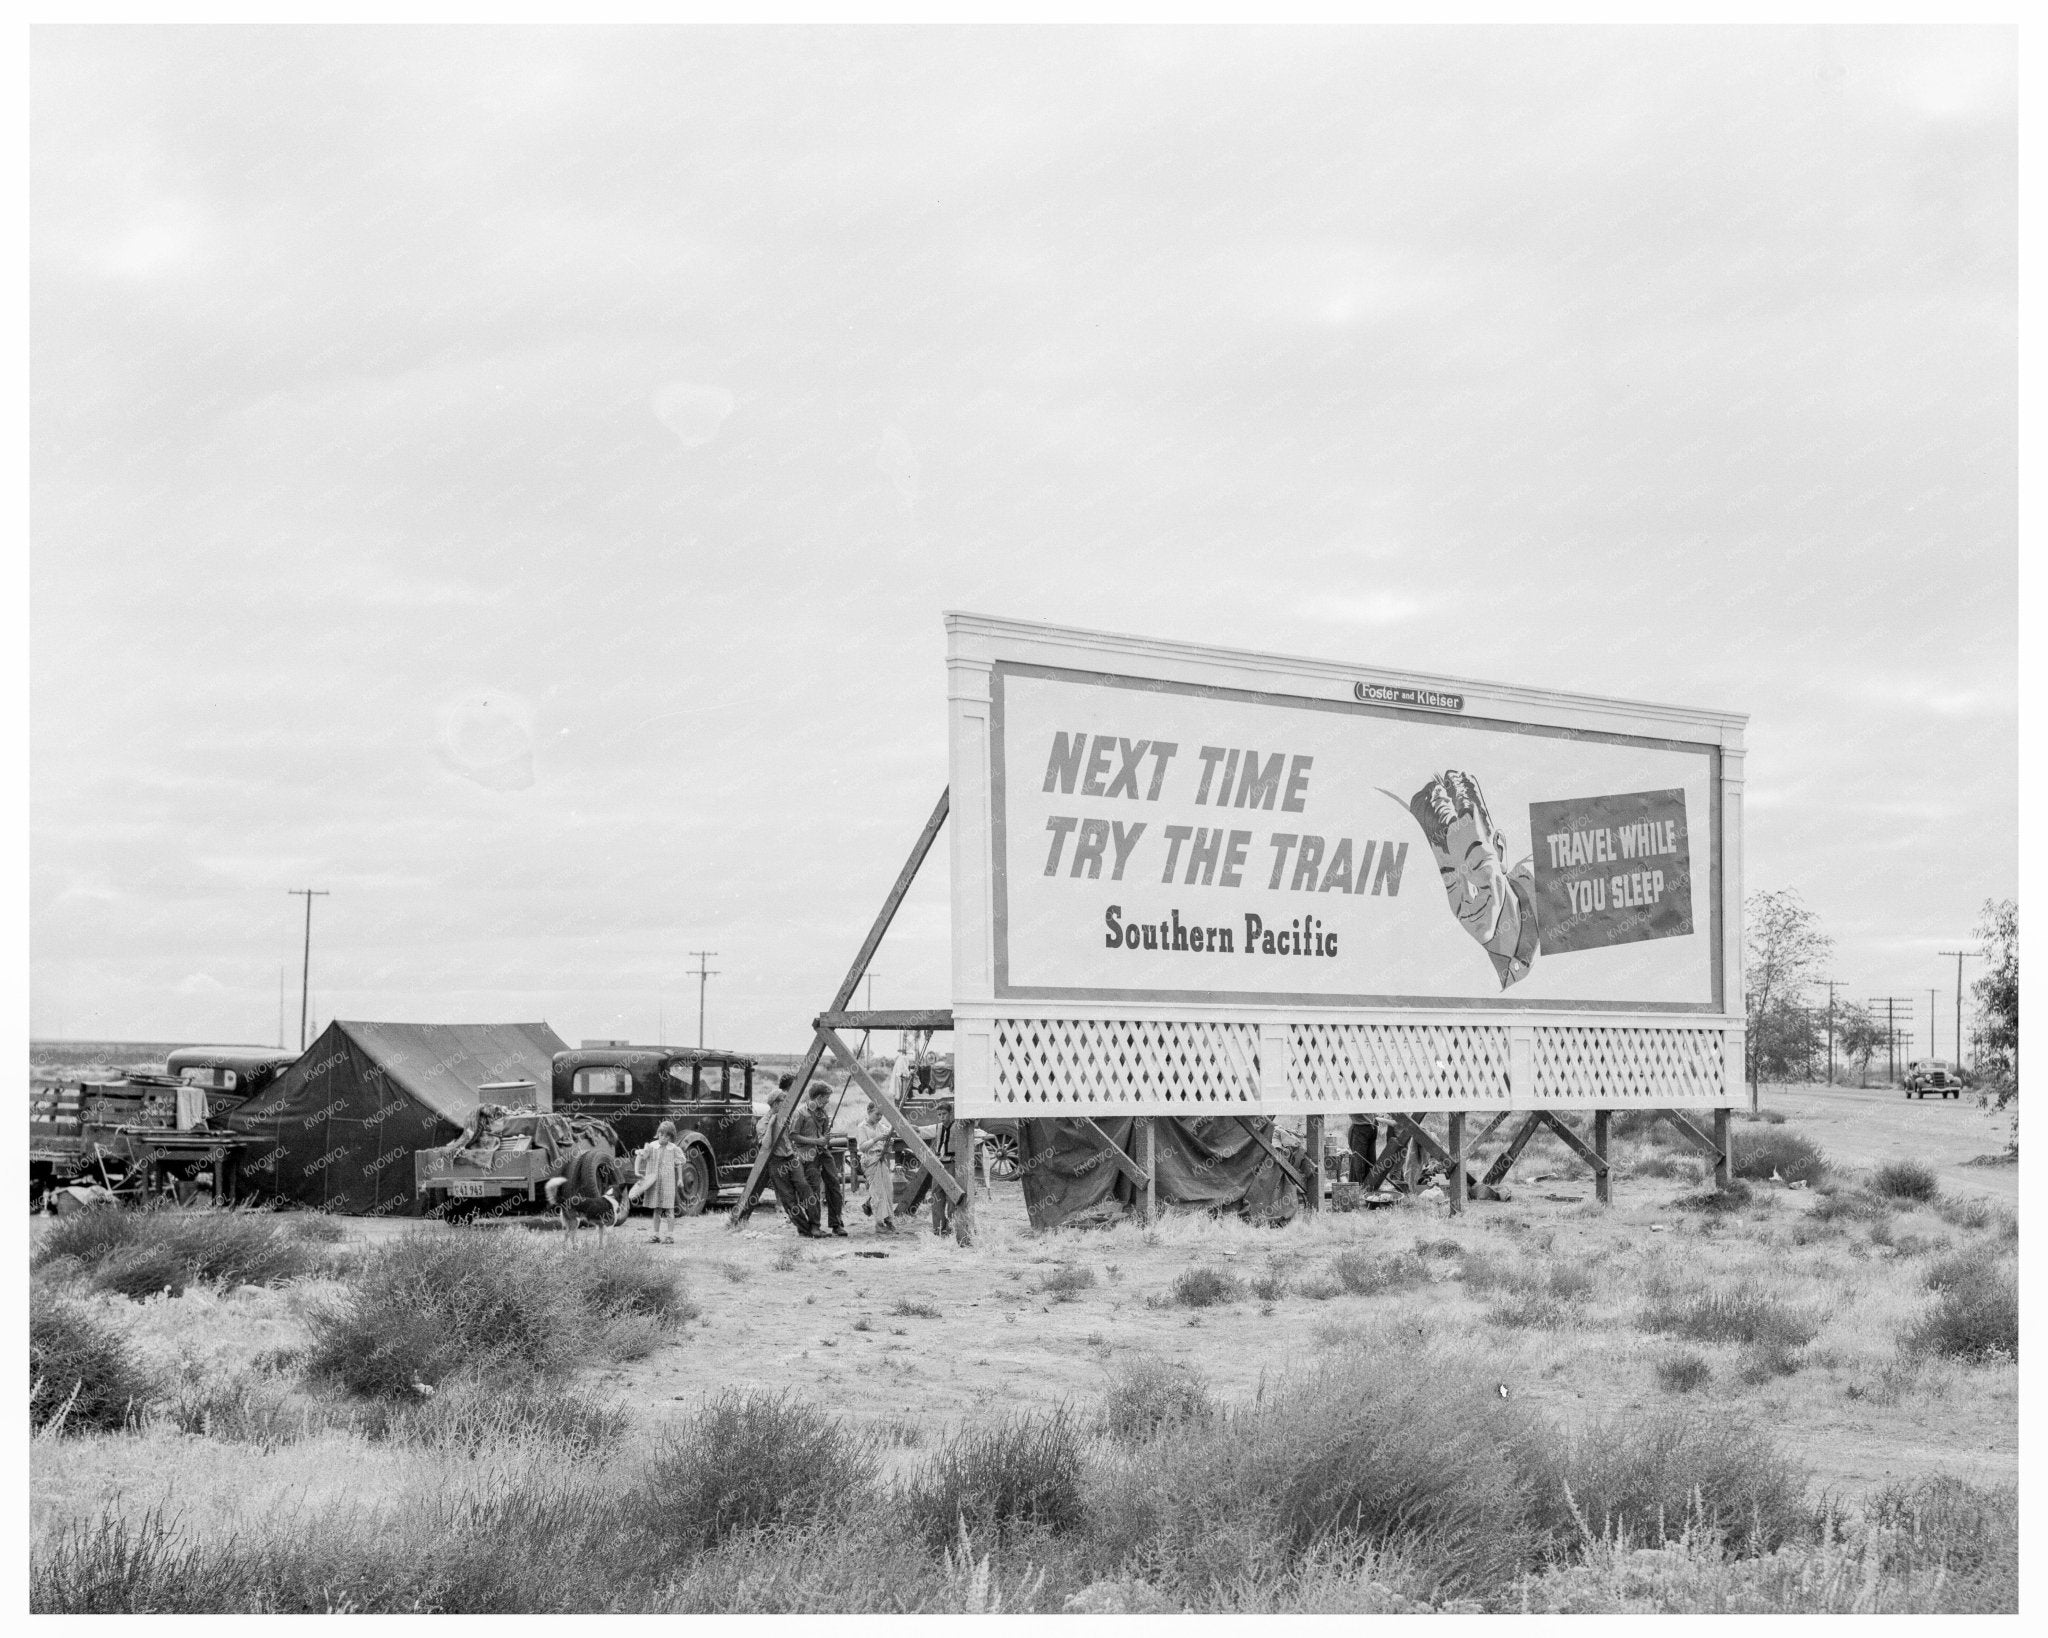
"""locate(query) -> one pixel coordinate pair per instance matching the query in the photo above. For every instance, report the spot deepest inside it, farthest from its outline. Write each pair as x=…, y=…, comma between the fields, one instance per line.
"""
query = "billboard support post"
x=1603, y=1177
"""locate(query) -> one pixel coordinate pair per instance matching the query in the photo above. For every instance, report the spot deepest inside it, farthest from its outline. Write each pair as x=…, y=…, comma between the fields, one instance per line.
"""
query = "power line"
x=309, y=894
x=703, y=973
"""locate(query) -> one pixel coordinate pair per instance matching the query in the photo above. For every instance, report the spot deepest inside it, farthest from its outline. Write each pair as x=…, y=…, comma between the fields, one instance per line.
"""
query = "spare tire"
x=591, y=1173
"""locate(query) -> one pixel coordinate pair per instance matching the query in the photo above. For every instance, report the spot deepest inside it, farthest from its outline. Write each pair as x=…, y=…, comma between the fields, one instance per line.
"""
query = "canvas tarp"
x=338, y=1130
x=1211, y=1161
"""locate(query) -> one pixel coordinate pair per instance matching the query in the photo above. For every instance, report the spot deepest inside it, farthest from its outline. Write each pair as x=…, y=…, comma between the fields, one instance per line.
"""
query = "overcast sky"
x=512, y=480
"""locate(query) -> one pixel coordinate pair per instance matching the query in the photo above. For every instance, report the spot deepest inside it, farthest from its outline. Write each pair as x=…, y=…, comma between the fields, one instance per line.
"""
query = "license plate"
x=471, y=1191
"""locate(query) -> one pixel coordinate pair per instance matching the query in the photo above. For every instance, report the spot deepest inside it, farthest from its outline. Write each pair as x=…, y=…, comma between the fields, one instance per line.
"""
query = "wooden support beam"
x=1419, y=1137
x=1691, y=1133
x=1505, y=1160
x=935, y=1168
x=1124, y=1163
x=1266, y=1143
x=1724, y=1150
x=1578, y=1145
x=927, y=1018
x=1148, y=1157
x=744, y=1206
x=1603, y=1176
x=1315, y=1163
x=1420, y=1133
x=1397, y=1146
x=1493, y=1126
x=963, y=1174
x=1457, y=1150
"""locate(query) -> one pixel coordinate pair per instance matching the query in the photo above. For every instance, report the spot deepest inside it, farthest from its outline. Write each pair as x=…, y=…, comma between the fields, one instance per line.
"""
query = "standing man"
x=1363, y=1140
x=785, y=1169
x=876, y=1142
x=812, y=1129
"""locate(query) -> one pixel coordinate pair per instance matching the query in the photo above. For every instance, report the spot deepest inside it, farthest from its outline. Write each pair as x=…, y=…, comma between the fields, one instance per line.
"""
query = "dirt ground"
x=921, y=1334
x=918, y=1329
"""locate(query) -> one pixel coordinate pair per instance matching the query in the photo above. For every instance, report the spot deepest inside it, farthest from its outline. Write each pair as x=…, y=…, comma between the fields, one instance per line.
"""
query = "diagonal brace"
x=1279, y=1159
x=1578, y=1145
x=1688, y=1131
x=784, y=1112
x=1505, y=1160
x=935, y=1168
x=1124, y=1163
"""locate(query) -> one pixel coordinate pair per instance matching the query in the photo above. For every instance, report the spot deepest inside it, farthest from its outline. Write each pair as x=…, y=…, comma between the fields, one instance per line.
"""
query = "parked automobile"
x=1925, y=1076
x=707, y=1093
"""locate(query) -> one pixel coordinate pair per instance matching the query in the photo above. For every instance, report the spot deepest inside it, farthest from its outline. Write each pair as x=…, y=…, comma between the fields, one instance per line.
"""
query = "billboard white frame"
x=1068, y=1053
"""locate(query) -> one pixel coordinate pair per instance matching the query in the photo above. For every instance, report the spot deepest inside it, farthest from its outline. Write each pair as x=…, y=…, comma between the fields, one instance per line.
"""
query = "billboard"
x=1163, y=831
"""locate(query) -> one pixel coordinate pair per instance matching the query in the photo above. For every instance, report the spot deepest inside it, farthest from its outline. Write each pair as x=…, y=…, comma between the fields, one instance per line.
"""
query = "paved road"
x=1857, y=1127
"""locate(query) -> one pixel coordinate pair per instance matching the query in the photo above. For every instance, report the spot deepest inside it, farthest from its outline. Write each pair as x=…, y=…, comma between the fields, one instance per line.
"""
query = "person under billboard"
x=1496, y=904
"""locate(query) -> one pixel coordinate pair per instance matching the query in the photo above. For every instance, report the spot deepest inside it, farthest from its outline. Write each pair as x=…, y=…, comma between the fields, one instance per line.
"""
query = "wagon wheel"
x=1000, y=1151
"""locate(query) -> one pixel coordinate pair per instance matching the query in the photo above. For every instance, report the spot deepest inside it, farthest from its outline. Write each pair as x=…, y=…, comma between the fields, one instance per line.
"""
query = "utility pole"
x=1897, y=1008
x=309, y=894
x=703, y=972
x=1930, y=1024
x=1833, y=984
x=280, y=1009
x=1961, y=956
x=871, y=991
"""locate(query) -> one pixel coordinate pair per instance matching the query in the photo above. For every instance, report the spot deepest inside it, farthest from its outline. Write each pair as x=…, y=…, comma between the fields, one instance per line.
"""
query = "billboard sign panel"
x=1160, y=830
x=1166, y=841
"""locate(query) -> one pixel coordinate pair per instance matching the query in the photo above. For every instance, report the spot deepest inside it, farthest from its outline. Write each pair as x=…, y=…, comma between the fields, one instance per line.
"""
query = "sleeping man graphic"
x=1496, y=904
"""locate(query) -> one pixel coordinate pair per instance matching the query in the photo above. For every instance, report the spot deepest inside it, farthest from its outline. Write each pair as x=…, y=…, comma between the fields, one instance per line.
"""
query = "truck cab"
x=707, y=1093
x=230, y=1075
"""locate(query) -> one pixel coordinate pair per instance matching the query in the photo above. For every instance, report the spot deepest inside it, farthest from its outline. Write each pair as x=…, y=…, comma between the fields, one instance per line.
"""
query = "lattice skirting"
x=1577, y=1062
x=1397, y=1065
x=1123, y=1066
x=1055, y=1066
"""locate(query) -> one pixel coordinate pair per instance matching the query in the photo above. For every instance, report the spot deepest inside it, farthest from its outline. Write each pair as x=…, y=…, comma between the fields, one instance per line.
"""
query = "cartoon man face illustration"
x=1495, y=904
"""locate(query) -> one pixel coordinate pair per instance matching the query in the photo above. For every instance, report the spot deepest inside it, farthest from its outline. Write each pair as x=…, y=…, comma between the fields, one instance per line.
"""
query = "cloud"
x=897, y=462
x=1384, y=608
x=1935, y=696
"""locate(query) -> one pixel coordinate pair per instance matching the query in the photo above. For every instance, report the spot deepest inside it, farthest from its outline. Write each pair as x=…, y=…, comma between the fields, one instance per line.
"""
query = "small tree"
x=1783, y=947
x=1998, y=993
x=1859, y=1033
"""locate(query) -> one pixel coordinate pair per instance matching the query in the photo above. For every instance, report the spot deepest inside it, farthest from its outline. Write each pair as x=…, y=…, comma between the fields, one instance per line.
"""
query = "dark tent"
x=1211, y=1161
x=338, y=1131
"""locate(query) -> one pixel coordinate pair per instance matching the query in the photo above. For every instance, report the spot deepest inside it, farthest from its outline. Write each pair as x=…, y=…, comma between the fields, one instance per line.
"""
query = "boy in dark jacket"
x=812, y=1132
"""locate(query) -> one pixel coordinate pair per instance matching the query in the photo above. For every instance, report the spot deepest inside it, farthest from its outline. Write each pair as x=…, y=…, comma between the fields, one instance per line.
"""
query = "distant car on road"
x=1932, y=1075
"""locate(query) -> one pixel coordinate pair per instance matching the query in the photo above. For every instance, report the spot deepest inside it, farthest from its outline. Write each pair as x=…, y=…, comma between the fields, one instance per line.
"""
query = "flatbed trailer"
x=507, y=1168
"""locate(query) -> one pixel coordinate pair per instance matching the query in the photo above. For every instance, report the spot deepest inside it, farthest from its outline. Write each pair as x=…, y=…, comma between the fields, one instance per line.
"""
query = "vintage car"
x=708, y=1094
x=1925, y=1076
